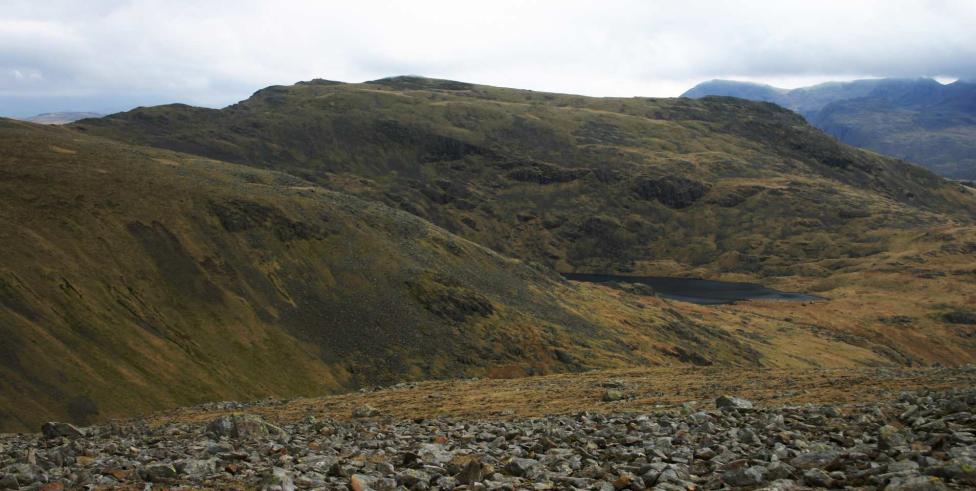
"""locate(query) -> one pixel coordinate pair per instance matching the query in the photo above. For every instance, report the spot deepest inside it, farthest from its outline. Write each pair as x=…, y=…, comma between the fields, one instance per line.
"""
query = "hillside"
x=136, y=279
x=576, y=183
x=920, y=120
x=325, y=236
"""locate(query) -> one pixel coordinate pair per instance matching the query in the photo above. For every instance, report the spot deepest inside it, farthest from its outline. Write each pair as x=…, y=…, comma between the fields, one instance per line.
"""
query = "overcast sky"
x=110, y=55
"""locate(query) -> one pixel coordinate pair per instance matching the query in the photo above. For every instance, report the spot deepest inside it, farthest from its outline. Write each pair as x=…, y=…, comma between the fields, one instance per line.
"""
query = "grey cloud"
x=111, y=54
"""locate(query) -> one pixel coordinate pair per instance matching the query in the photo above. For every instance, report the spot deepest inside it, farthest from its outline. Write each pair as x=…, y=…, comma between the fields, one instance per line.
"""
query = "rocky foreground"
x=917, y=440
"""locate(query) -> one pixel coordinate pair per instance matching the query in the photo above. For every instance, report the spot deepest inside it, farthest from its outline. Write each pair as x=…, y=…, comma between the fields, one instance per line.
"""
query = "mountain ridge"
x=920, y=120
x=137, y=279
x=462, y=157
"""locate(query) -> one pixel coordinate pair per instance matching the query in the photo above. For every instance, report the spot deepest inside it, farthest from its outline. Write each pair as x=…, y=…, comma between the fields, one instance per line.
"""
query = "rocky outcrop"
x=671, y=191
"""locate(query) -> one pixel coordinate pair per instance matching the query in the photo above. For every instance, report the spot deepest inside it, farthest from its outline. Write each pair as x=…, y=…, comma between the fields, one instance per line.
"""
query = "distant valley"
x=919, y=120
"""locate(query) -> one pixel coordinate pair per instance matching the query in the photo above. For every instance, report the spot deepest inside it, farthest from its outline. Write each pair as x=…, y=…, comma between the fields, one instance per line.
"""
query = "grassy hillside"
x=345, y=244
x=136, y=279
x=579, y=184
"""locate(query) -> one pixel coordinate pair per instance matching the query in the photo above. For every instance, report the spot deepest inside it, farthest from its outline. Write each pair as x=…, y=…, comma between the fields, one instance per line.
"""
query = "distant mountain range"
x=61, y=117
x=920, y=120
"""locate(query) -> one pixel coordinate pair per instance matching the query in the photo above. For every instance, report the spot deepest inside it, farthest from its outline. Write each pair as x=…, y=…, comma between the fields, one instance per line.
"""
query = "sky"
x=112, y=55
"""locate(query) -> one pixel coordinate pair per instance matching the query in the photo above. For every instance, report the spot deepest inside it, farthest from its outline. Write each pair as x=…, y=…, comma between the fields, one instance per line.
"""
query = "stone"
x=244, y=426
x=361, y=482
x=731, y=402
x=411, y=477
x=364, y=411
x=782, y=485
x=9, y=482
x=624, y=481
x=705, y=453
x=903, y=466
x=778, y=470
x=521, y=467
x=916, y=483
x=54, y=429
x=472, y=472
x=435, y=453
x=889, y=437
x=960, y=469
x=611, y=395
x=197, y=468
x=817, y=478
x=25, y=473
x=158, y=472
x=277, y=480
x=816, y=460
x=749, y=476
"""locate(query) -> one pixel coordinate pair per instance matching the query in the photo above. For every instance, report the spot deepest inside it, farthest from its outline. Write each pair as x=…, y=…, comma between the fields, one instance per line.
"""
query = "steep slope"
x=136, y=279
x=919, y=120
x=581, y=184
x=924, y=122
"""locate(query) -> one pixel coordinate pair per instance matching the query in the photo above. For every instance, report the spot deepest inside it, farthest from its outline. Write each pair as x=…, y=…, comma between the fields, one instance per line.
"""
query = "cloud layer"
x=108, y=55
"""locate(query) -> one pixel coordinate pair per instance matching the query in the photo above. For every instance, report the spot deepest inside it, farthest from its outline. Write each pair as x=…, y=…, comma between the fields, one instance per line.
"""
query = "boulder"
x=816, y=460
x=364, y=411
x=55, y=429
x=916, y=483
x=158, y=472
x=243, y=426
x=611, y=395
x=361, y=482
x=749, y=476
x=472, y=472
x=732, y=402
x=521, y=467
x=277, y=480
x=889, y=437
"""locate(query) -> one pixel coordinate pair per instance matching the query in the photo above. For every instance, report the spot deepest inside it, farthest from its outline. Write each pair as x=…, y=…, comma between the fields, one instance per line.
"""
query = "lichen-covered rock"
x=731, y=402
x=671, y=191
x=244, y=426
